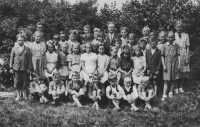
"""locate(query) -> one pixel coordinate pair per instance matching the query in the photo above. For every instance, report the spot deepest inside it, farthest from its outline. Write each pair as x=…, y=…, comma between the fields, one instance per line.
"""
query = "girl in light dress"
x=63, y=64
x=38, y=51
x=88, y=64
x=139, y=63
x=182, y=40
x=51, y=62
x=124, y=38
x=74, y=60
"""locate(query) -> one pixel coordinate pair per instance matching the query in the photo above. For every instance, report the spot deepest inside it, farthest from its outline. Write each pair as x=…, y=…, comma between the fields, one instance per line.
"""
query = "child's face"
x=88, y=48
x=113, y=82
x=179, y=28
x=62, y=37
x=56, y=40
x=95, y=35
x=101, y=49
x=124, y=33
x=163, y=38
x=95, y=80
x=86, y=30
x=114, y=53
x=37, y=80
x=75, y=78
x=127, y=84
x=65, y=50
x=146, y=32
x=143, y=45
x=40, y=28
x=111, y=28
x=72, y=37
x=100, y=39
x=25, y=36
x=75, y=49
x=50, y=49
x=126, y=54
x=171, y=37
x=153, y=44
x=118, y=43
x=20, y=41
x=38, y=37
x=137, y=52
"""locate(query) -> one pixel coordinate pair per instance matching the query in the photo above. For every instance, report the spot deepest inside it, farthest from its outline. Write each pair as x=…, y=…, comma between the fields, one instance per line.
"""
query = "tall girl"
x=72, y=40
x=125, y=65
x=162, y=40
x=51, y=62
x=74, y=60
x=182, y=40
x=88, y=64
x=63, y=63
x=171, y=63
x=38, y=51
x=139, y=63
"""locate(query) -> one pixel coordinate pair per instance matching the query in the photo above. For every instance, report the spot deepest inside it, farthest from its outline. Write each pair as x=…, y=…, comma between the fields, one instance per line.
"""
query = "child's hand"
x=157, y=73
x=112, y=97
x=99, y=97
x=11, y=71
x=165, y=69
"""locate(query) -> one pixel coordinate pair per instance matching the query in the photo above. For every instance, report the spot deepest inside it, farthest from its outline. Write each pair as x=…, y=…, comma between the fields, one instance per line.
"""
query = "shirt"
x=153, y=50
x=20, y=48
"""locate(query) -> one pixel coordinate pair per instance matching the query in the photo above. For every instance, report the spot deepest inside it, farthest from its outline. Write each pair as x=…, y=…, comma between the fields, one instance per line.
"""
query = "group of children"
x=109, y=67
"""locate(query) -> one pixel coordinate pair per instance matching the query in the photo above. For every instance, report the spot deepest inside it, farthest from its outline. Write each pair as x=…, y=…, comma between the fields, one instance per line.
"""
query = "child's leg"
x=116, y=104
x=155, y=82
x=172, y=88
x=76, y=100
x=18, y=94
x=118, y=77
x=166, y=84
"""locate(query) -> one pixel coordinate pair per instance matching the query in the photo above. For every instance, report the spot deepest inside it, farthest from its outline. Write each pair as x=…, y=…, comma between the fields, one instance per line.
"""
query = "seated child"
x=96, y=90
x=75, y=89
x=38, y=89
x=56, y=88
x=114, y=92
x=145, y=92
x=130, y=93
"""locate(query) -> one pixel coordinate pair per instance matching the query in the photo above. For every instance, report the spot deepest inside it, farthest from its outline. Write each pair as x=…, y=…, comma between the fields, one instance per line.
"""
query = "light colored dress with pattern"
x=75, y=63
x=90, y=64
x=63, y=69
x=38, y=51
x=182, y=43
x=102, y=62
x=139, y=63
x=51, y=61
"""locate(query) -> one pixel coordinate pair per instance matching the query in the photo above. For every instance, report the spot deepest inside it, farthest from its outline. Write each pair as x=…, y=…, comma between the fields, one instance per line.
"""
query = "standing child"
x=162, y=40
x=125, y=65
x=100, y=38
x=124, y=34
x=20, y=62
x=130, y=93
x=171, y=64
x=56, y=89
x=95, y=42
x=102, y=63
x=62, y=38
x=88, y=64
x=56, y=39
x=118, y=45
x=74, y=61
x=152, y=37
x=114, y=62
x=86, y=29
x=153, y=58
x=182, y=40
x=139, y=64
x=38, y=50
x=96, y=91
x=75, y=89
x=26, y=43
x=114, y=92
x=38, y=89
x=63, y=64
x=72, y=40
x=51, y=62
x=145, y=92
x=142, y=45
x=145, y=32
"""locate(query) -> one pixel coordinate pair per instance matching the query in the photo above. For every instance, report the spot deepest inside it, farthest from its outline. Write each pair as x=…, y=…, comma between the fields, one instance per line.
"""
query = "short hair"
x=20, y=36
x=110, y=23
x=124, y=28
x=146, y=27
x=142, y=41
x=40, y=23
x=112, y=76
x=101, y=34
x=170, y=32
x=96, y=30
x=162, y=33
x=62, y=32
x=113, y=48
x=86, y=26
x=37, y=32
x=152, y=33
x=96, y=74
x=131, y=36
x=179, y=23
x=56, y=76
x=75, y=73
x=137, y=47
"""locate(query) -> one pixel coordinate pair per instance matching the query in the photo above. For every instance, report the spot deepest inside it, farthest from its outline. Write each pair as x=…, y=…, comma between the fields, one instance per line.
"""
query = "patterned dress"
x=75, y=63
x=63, y=66
x=51, y=61
x=170, y=53
x=38, y=51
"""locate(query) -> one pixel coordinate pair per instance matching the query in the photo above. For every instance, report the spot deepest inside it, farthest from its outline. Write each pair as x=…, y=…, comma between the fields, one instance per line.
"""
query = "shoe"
x=181, y=90
x=170, y=94
x=176, y=91
x=164, y=97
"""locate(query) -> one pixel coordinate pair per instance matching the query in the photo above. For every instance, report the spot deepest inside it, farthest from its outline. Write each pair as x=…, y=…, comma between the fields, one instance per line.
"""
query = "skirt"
x=50, y=66
x=38, y=65
x=63, y=72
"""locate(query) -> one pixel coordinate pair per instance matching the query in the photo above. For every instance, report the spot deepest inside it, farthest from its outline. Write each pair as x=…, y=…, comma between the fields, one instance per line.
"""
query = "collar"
x=19, y=46
x=169, y=43
x=153, y=49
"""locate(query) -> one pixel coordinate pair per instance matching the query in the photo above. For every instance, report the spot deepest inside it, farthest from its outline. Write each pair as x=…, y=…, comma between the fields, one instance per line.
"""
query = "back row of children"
x=109, y=67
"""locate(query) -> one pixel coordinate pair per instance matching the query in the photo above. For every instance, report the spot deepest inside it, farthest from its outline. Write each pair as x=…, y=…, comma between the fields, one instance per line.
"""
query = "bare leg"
x=76, y=100
x=24, y=94
x=166, y=84
x=18, y=95
x=116, y=105
x=155, y=87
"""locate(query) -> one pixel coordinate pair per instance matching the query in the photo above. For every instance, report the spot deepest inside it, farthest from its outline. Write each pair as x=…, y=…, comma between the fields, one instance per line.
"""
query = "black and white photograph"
x=99, y=63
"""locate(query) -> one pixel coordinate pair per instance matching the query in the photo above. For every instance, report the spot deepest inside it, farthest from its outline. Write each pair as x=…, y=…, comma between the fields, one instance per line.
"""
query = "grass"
x=183, y=110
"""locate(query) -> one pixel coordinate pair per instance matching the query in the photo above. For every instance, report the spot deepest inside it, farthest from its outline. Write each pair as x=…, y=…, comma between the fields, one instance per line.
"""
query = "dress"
x=90, y=64
x=51, y=61
x=113, y=64
x=139, y=63
x=126, y=65
x=182, y=43
x=75, y=63
x=102, y=62
x=63, y=66
x=38, y=51
x=160, y=45
x=170, y=53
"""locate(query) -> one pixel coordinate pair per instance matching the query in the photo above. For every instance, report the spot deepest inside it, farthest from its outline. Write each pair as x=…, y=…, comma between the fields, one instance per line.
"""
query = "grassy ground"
x=182, y=110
